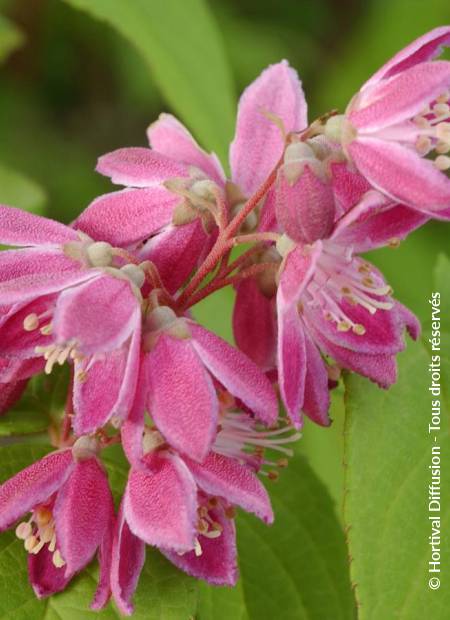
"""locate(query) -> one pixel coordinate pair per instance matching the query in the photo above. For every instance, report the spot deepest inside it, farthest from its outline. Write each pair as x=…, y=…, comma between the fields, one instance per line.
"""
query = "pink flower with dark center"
x=170, y=200
x=396, y=130
x=69, y=298
x=186, y=508
x=72, y=517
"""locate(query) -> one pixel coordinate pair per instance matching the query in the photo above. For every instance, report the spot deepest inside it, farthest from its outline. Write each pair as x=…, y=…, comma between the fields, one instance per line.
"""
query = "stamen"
x=31, y=322
x=442, y=162
x=197, y=548
x=57, y=559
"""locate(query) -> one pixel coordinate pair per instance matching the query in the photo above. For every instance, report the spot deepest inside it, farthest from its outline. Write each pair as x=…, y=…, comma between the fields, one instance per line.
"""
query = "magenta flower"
x=186, y=508
x=72, y=517
x=68, y=297
x=182, y=365
x=170, y=200
x=396, y=130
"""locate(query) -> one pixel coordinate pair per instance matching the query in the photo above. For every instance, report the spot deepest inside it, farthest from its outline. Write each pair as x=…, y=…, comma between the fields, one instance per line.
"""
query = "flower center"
x=39, y=531
x=340, y=277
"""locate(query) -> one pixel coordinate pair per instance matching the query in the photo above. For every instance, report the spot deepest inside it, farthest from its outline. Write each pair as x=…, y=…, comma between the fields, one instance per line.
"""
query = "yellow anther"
x=282, y=463
x=46, y=330
x=423, y=145
x=442, y=162
x=273, y=475
x=23, y=531
x=230, y=512
x=394, y=242
x=81, y=376
x=31, y=322
x=197, y=548
x=441, y=109
x=359, y=329
x=57, y=559
x=368, y=281
x=343, y=326
x=42, y=516
x=30, y=543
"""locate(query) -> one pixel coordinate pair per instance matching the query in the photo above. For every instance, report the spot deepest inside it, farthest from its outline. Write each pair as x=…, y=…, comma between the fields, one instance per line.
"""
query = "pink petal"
x=348, y=186
x=128, y=216
x=132, y=429
x=291, y=361
x=382, y=369
x=103, y=591
x=426, y=47
x=160, y=503
x=317, y=396
x=169, y=137
x=408, y=320
x=297, y=271
x=237, y=373
x=402, y=97
x=367, y=227
x=82, y=514
x=18, y=342
x=128, y=557
x=107, y=387
x=18, y=227
x=401, y=174
x=31, y=273
x=258, y=143
x=182, y=399
x=99, y=315
x=218, y=562
x=176, y=252
x=226, y=477
x=305, y=207
x=267, y=216
x=139, y=167
x=45, y=578
x=13, y=369
x=254, y=324
x=10, y=394
x=33, y=485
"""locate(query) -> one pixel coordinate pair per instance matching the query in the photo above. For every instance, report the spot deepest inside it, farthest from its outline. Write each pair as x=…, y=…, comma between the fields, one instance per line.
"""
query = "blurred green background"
x=71, y=89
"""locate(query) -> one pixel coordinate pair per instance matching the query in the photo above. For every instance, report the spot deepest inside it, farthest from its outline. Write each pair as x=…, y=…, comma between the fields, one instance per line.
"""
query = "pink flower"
x=182, y=365
x=399, y=122
x=184, y=507
x=170, y=197
x=67, y=297
x=72, y=517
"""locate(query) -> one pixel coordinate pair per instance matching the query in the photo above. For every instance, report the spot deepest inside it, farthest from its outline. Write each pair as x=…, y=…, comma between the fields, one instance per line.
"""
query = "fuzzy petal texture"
x=254, y=324
x=33, y=485
x=100, y=315
x=348, y=186
x=218, y=562
x=10, y=394
x=402, y=174
x=45, y=578
x=291, y=361
x=226, y=477
x=237, y=373
x=317, y=395
x=103, y=591
x=182, y=400
x=82, y=511
x=297, y=271
x=107, y=387
x=375, y=222
x=17, y=227
x=169, y=137
x=304, y=204
x=18, y=342
x=160, y=503
x=128, y=557
x=176, y=252
x=128, y=216
x=139, y=167
x=402, y=97
x=133, y=427
x=258, y=143
x=13, y=369
x=425, y=48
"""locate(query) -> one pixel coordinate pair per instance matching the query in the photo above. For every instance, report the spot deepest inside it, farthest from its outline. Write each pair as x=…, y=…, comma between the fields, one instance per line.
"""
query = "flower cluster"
x=110, y=295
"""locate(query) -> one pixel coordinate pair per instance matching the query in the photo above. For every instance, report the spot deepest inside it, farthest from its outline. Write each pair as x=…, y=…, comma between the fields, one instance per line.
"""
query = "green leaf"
x=181, y=44
x=163, y=592
x=19, y=191
x=388, y=451
x=10, y=38
x=298, y=568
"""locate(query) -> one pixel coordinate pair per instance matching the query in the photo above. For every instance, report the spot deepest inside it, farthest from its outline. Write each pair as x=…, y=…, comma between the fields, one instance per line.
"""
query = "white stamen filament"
x=39, y=531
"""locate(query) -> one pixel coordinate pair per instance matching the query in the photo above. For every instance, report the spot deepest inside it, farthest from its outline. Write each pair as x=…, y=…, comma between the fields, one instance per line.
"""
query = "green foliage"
x=19, y=191
x=388, y=453
x=10, y=37
x=182, y=46
x=295, y=569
